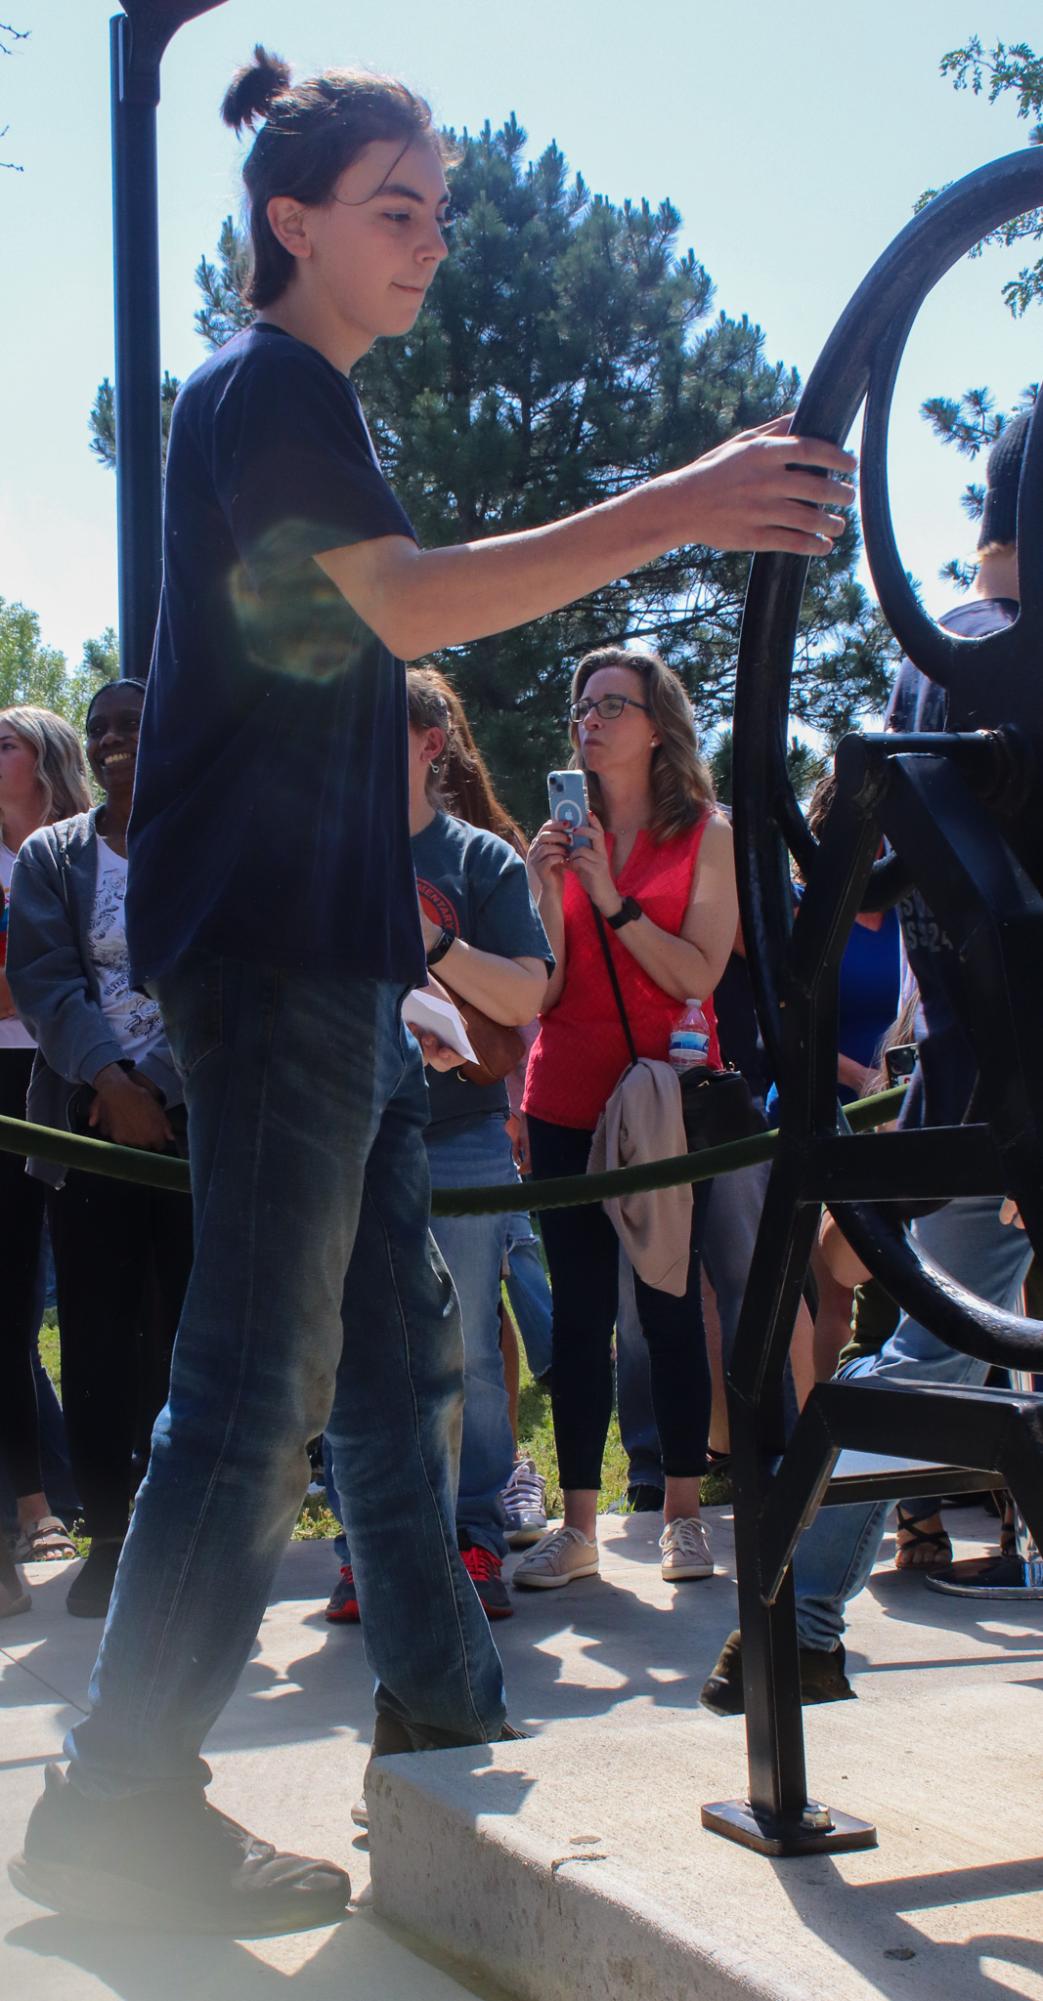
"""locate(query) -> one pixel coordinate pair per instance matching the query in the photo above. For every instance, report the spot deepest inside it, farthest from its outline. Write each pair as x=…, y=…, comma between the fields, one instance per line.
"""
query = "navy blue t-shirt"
x=475, y=886
x=271, y=816
x=947, y=1072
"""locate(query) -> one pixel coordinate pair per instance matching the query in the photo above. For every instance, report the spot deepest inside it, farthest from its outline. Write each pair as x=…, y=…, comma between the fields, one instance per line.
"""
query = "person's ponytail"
x=253, y=89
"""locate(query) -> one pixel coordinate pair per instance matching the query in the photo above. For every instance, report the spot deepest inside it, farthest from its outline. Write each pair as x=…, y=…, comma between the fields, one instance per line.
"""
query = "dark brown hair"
x=462, y=784
x=682, y=789
x=311, y=132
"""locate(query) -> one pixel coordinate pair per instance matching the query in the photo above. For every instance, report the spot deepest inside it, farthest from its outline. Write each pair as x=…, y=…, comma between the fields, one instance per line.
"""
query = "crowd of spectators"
x=525, y=938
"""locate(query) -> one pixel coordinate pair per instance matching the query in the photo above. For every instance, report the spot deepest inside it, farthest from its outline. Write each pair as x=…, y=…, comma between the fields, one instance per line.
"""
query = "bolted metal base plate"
x=809, y=1833
x=989, y=1577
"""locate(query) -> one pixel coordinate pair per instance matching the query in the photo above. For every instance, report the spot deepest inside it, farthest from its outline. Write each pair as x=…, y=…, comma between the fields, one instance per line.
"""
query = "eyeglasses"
x=608, y=708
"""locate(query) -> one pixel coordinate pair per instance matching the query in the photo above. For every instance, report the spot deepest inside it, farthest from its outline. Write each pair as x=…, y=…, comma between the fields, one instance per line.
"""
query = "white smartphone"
x=567, y=794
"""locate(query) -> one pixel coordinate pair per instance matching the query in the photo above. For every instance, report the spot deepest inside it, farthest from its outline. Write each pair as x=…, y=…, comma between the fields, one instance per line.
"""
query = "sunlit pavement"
x=574, y=1864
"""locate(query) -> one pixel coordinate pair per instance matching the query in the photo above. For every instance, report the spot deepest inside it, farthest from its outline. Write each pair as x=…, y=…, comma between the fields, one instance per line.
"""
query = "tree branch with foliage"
x=31, y=672
x=972, y=422
x=1000, y=71
x=8, y=37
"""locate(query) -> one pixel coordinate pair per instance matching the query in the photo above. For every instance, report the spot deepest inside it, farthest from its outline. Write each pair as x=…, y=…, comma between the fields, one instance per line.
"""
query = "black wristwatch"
x=629, y=909
x=441, y=947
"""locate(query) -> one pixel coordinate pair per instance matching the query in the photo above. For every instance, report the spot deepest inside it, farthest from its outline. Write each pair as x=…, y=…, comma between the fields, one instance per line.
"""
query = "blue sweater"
x=53, y=980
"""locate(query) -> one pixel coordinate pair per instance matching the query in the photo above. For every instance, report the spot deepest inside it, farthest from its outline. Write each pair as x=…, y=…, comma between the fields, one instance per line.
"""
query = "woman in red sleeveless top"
x=660, y=871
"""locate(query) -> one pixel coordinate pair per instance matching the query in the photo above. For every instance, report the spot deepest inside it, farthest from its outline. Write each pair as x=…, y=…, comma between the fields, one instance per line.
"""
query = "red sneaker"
x=483, y=1569
x=343, y=1608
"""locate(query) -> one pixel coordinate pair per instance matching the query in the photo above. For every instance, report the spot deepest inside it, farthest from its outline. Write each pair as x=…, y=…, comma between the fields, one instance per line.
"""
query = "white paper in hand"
x=426, y=1013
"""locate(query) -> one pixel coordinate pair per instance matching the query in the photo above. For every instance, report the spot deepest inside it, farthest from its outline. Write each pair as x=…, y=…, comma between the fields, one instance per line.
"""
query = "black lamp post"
x=138, y=38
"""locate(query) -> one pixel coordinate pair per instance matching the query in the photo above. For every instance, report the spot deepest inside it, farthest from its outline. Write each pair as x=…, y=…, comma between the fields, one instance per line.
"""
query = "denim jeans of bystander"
x=528, y=1291
x=468, y=1156
x=836, y=1554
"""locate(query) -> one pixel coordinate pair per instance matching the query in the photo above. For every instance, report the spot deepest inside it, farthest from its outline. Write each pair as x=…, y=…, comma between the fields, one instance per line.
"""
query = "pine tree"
x=971, y=423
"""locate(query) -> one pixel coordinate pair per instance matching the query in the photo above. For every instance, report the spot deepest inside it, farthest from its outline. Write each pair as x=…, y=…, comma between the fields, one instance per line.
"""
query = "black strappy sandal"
x=934, y=1541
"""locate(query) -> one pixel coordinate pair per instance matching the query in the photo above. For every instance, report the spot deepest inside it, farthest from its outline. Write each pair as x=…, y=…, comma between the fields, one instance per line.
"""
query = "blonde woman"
x=43, y=778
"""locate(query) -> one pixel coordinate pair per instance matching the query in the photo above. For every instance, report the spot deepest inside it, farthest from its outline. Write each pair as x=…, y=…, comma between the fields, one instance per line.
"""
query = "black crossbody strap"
x=614, y=977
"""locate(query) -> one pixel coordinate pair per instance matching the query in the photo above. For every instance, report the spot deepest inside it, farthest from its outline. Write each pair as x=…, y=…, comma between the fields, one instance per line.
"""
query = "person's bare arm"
x=854, y=1076
x=757, y=491
x=844, y=1263
x=510, y=991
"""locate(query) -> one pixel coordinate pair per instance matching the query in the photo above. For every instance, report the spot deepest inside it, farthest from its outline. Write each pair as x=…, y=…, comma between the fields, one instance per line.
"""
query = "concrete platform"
x=574, y=1867
x=288, y=1759
x=574, y=1864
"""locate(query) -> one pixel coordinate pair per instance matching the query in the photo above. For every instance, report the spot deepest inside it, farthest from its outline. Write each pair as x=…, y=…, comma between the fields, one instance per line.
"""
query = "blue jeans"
x=473, y=1248
x=316, y=1300
x=58, y=1483
x=529, y=1293
x=836, y=1554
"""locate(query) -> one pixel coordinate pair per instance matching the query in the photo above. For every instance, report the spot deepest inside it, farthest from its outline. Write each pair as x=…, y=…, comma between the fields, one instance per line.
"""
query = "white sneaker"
x=522, y=1503
x=685, y=1544
x=561, y=1556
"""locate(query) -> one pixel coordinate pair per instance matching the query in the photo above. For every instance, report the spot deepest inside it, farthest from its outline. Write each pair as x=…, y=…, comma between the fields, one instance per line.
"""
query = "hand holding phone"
x=569, y=804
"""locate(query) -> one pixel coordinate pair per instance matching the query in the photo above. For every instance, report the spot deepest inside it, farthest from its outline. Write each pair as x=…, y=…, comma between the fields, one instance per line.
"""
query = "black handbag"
x=717, y=1105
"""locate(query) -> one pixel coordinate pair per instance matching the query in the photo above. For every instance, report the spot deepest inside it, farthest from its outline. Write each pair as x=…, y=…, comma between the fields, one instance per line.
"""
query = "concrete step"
x=573, y=1866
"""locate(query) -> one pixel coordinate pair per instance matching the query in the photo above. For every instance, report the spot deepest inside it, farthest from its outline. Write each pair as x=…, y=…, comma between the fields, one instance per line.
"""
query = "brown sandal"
x=45, y=1541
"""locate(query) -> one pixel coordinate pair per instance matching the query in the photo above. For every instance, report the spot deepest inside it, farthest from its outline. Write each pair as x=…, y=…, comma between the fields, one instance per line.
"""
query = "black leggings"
x=122, y=1256
x=21, y=1227
x=583, y=1255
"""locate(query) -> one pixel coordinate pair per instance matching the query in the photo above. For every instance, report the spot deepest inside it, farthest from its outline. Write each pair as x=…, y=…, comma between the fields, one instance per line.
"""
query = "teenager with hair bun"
x=272, y=911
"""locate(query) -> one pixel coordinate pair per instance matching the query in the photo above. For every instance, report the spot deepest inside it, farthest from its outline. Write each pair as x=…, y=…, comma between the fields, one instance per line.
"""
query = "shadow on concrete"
x=866, y=1923
x=903, y=1596
x=156, y=1966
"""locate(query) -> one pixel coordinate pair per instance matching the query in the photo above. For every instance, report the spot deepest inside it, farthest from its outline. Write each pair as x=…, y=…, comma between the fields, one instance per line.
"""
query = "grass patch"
x=50, y=1350
x=315, y=1523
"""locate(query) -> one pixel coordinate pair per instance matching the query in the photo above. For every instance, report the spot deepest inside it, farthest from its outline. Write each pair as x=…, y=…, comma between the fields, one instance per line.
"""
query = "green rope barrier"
x=570, y=1191
x=156, y=1170
x=95, y=1156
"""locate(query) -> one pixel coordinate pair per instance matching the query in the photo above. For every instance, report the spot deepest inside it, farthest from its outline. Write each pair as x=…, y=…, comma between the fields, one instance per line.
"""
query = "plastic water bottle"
x=690, y=1040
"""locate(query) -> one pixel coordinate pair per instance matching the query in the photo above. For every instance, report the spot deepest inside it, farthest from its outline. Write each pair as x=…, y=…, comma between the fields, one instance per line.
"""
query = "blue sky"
x=794, y=140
